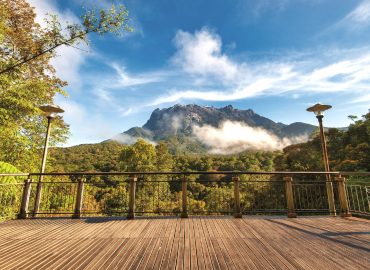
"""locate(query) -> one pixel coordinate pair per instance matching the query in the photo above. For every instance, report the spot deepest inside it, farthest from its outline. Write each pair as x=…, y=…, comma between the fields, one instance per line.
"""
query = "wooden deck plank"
x=330, y=249
x=229, y=243
x=147, y=246
x=280, y=261
x=247, y=262
x=195, y=243
x=320, y=251
x=207, y=239
x=128, y=255
x=153, y=250
x=252, y=247
x=219, y=246
x=169, y=257
x=164, y=247
x=192, y=246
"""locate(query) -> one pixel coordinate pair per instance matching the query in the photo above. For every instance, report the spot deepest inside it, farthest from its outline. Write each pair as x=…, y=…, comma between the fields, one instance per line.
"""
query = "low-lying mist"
x=233, y=137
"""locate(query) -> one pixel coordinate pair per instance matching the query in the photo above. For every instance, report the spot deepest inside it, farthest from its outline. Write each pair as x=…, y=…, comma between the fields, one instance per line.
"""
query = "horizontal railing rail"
x=184, y=193
x=187, y=173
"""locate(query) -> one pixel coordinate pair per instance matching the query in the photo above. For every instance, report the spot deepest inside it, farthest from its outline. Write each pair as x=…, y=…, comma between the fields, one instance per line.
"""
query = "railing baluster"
x=237, y=213
x=289, y=197
x=358, y=201
x=343, y=197
x=184, y=189
x=132, y=194
x=37, y=199
x=25, y=199
x=367, y=194
x=350, y=197
x=79, y=199
x=330, y=193
x=363, y=198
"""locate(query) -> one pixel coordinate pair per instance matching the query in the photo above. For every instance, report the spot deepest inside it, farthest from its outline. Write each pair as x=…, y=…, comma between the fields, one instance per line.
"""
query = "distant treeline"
x=349, y=150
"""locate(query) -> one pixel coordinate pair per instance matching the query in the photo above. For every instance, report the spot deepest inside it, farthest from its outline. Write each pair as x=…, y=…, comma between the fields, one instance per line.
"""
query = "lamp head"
x=318, y=109
x=51, y=110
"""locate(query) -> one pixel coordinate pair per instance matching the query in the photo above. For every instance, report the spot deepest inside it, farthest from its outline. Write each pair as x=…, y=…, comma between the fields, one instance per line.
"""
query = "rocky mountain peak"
x=180, y=120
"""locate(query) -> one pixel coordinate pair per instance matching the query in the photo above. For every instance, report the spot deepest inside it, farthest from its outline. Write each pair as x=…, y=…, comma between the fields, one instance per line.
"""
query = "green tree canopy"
x=348, y=150
x=164, y=160
x=141, y=156
x=8, y=168
x=28, y=80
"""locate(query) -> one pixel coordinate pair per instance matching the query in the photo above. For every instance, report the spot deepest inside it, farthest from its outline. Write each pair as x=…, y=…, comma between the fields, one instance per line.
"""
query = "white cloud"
x=73, y=111
x=253, y=10
x=257, y=7
x=124, y=138
x=42, y=8
x=109, y=87
x=233, y=137
x=125, y=79
x=127, y=139
x=355, y=21
x=207, y=73
x=68, y=61
x=360, y=15
x=362, y=99
x=201, y=54
x=86, y=126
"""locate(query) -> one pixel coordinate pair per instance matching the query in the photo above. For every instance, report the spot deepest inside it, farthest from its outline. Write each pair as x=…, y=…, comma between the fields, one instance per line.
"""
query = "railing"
x=358, y=194
x=177, y=193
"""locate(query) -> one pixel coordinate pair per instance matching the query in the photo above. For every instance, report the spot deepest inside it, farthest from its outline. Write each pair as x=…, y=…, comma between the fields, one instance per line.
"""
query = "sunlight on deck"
x=194, y=243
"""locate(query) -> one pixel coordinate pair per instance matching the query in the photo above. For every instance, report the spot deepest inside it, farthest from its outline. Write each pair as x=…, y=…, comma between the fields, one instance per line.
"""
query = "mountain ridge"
x=180, y=119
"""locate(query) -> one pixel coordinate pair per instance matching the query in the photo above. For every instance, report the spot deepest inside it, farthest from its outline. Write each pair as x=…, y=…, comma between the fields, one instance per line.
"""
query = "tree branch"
x=23, y=61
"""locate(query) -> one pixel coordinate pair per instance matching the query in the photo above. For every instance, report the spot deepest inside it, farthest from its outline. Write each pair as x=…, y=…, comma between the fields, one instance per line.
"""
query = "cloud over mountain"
x=233, y=137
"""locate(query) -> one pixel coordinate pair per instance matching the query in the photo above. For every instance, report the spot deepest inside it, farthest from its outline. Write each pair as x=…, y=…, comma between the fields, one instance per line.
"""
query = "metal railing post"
x=184, y=189
x=132, y=194
x=289, y=197
x=237, y=211
x=79, y=199
x=330, y=194
x=37, y=199
x=25, y=199
x=343, y=197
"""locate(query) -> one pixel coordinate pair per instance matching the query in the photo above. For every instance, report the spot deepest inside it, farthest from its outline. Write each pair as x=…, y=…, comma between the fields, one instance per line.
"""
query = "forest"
x=207, y=193
x=349, y=150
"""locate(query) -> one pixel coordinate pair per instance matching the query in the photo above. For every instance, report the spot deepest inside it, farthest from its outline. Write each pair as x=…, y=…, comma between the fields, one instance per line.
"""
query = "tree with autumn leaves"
x=27, y=78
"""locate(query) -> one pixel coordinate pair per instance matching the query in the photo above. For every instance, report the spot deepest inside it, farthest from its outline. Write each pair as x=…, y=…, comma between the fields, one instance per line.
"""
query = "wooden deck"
x=194, y=243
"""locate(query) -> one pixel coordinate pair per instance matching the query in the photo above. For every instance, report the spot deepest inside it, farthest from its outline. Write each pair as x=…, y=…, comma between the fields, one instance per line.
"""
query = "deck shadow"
x=325, y=236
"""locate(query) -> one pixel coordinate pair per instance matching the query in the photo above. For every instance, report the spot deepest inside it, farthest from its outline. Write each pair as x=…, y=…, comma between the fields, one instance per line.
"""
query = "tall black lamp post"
x=50, y=112
x=319, y=109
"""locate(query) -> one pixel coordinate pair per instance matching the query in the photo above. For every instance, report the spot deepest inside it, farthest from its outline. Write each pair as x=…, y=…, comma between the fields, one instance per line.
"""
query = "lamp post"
x=318, y=109
x=50, y=112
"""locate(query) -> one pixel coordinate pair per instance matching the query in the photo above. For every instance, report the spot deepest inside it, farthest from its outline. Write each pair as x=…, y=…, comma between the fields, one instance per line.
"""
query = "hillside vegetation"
x=349, y=150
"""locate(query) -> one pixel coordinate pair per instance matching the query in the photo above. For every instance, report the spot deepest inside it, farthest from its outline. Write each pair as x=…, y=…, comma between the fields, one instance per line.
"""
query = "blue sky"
x=276, y=57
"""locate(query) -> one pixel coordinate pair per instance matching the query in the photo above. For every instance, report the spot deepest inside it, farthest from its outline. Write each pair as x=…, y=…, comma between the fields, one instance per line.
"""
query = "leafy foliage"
x=8, y=168
x=10, y=192
x=348, y=150
x=102, y=157
x=28, y=80
x=141, y=156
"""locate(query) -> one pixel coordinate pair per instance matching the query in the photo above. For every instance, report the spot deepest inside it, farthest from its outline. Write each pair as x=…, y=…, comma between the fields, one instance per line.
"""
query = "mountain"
x=180, y=120
x=176, y=126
